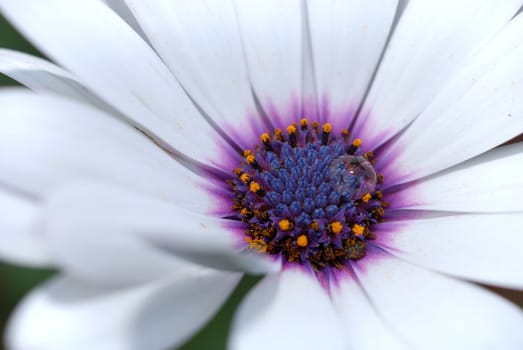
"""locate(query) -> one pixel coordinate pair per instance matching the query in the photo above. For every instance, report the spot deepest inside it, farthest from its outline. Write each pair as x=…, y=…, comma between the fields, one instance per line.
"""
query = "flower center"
x=308, y=196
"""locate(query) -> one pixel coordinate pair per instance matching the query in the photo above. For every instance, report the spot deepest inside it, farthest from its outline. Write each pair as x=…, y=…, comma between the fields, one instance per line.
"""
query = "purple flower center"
x=308, y=196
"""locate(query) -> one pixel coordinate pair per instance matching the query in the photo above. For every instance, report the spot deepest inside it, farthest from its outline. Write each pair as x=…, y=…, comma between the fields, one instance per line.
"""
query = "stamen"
x=285, y=225
x=336, y=227
x=358, y=229
x=354, y=146
x=304, y=123
x=302, y=241
x=291, y=130
x=367, y=197
x=327, y=128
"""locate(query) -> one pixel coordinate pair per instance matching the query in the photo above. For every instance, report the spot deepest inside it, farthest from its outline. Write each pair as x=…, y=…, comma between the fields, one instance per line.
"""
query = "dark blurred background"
x=15, y=281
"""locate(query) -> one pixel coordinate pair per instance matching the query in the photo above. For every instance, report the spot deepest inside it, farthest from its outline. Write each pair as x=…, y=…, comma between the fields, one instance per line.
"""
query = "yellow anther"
x=378, y=194
x=237, y=171
x=245, y=178
x=250, y=158
x=247, y=153
x=244, y=211
x=304, y=123
x=254, y=187
x=327, y=127
x=358, y=229
x=291, y=129
x=356, y=142
x=336, y=227
x=366, y=197
x=315, y=226
x=302, y=241
x=284, y=225
x=265, y=137
x=258, y=245
x=344, y=132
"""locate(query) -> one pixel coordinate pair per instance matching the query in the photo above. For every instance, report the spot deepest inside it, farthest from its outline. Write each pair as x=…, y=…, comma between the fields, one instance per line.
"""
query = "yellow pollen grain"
x=244, y=211
x=304, y=122
x=356, y=142
x=327, y=127
x=315, y=226
x=258, y=245
x=247, y=153
x=291, y=129
x=358, y=229
x=302, y=241
x=245, y=178
x=366, y=197
x=284, y=225
x=254, y=187
x=237, y=171
x=336, y=227
x=265, y=137
x=250, y=159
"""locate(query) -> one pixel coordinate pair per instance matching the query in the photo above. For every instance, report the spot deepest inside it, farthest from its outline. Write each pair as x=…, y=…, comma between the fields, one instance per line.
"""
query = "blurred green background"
x=16, y=281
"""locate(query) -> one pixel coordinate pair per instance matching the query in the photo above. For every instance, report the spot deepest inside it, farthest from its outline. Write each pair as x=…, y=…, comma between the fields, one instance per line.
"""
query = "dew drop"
x=354, y=174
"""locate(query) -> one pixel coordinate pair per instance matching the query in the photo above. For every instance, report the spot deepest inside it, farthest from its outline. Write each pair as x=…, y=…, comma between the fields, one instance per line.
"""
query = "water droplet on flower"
x=354, y=174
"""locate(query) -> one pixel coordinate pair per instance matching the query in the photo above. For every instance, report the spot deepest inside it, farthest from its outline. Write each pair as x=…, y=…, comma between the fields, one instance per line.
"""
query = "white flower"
x=147, y=245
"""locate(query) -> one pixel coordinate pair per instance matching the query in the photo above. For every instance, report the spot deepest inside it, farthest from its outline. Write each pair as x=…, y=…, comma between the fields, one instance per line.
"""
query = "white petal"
x=113, y=61
x=432, y=42
x=273, y=41
x=18, y=241
x=485, y=248
x=363, y=326
x=492, y=182
x=43, y=76
x=431, y=311
x=347, y=40
x=479, y=110
x=48, y=141
x=207, y=59
x=286, y=311
x=123, y=11
x=91, y=227
x=67, y=314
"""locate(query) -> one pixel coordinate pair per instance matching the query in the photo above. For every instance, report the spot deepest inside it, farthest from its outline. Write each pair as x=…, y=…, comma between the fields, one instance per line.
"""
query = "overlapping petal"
x=69, y=314
x=47, y=141
x=483, y=248
x=431, y=311
x=432, y=42
x=289, y=310
x=110, y=58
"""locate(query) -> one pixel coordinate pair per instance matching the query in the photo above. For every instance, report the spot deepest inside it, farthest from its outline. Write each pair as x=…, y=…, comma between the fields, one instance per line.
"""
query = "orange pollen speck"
x=315, y=226
x=336, y=227
x=265, y=137
x=366, y=197
x=250, y=159
x=356, y=142
x=291, y=129
x=254, y=187
x=245, y=178
x=302, y=241
x=327, y=127
x=358, y=229
x=247, y=153
x=304, y=122
x=284, y=225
